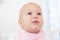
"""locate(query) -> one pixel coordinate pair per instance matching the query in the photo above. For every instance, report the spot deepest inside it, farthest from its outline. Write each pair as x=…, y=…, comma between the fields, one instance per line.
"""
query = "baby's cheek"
x=41, y=19
x=28, y=19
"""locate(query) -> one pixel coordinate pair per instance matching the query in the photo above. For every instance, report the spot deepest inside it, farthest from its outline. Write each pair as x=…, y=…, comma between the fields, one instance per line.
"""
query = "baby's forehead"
x=30, y=6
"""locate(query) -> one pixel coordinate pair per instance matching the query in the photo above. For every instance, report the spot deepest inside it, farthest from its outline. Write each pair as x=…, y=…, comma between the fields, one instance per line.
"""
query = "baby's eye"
x=39, y=13
x=29, y=13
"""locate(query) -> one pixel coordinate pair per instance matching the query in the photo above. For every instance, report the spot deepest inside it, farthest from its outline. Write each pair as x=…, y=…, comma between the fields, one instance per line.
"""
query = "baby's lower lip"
x=35, y=22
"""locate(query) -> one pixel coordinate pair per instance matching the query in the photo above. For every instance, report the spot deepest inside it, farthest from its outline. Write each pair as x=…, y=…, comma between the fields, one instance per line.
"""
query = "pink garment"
x=23, y=35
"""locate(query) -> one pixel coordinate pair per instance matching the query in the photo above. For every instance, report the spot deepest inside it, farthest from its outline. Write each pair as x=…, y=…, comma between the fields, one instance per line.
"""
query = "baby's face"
x=31, y=19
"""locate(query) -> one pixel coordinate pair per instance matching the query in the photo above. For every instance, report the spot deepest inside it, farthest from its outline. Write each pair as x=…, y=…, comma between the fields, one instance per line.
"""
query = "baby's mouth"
x=35, y=22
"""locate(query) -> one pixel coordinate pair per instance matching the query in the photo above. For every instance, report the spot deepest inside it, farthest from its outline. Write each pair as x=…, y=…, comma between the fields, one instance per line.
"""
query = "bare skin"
x=30, y=18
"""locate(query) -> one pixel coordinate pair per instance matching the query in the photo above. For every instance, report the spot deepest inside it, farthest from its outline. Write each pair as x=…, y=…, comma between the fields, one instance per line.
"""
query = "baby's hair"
x=26, y=5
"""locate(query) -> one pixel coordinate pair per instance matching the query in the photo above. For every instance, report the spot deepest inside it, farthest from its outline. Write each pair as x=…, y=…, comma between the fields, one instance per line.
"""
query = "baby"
x=31, y=22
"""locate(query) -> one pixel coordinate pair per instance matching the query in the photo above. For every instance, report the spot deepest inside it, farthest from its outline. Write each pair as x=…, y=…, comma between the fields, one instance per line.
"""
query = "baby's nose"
x=35, y=16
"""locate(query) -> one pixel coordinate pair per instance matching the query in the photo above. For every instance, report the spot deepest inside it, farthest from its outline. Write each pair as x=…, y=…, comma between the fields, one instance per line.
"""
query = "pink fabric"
x=23, y=35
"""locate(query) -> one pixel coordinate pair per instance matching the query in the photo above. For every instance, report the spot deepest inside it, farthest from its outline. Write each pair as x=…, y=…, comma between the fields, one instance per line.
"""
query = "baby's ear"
x=20, y=21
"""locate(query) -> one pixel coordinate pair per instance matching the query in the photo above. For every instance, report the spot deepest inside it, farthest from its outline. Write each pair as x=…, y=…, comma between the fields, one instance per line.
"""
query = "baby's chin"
x=36, y=27
x=34, y=30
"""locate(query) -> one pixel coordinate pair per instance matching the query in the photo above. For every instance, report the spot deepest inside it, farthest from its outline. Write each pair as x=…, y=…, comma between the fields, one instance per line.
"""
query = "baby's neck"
x=33, y=32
